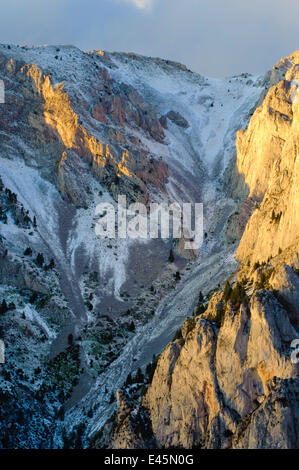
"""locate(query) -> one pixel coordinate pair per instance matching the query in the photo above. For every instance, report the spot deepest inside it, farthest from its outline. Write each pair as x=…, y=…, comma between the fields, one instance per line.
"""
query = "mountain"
x=228, y=380
x=82, y=316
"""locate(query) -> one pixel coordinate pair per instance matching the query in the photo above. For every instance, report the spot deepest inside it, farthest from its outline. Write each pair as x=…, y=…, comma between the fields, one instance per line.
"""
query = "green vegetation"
x=139, y=377
x=112, y=398
x=3, y=307
x=129, y=380
x=33, y=297
x=200, y=309
x=218, y=318
x=256, y=265
x=70, y=339
x=227, y=291
x=238, y=295
x=63, y=371
x=178, y=334
x=276, y=217
x=191, y=325
x=51, y=264
x=40, y=260
x=151, y=367
x=263, y=279
x=171, y=257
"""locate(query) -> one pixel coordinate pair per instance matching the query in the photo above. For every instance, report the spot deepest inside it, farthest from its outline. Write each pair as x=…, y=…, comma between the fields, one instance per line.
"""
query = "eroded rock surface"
x=229, y=380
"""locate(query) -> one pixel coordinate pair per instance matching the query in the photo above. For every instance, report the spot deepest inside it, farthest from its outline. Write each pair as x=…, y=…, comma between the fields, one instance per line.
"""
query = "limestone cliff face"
x=133, y=428
x=51, y=116
x=220, y=387
x=88, y=126
x=267, y=159
x=230, y=381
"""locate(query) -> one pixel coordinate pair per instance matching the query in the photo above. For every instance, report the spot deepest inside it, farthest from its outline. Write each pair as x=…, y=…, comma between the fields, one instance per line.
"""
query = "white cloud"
x=142, y=4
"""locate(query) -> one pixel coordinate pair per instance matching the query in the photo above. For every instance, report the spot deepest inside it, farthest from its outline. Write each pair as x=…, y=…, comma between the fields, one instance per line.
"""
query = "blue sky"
x=213, y=37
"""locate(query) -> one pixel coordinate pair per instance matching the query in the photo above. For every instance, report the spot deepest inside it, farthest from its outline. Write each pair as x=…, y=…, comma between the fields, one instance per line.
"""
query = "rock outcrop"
x=78, y=129
x=230, y=381
x=267, y=158
x=76, y=137
x=220, y=385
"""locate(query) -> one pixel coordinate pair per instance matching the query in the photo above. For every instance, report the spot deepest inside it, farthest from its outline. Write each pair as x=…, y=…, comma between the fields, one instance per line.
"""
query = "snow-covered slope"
x=77, y=129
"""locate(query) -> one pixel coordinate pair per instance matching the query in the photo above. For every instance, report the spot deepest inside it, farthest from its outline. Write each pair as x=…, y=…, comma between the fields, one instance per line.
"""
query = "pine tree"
x=227, y=291
x=40, y=260
x=238, y=295
x=33, y=297
x=129, y=380
x=70, y=339
x=199, y=309
x=256, y=265
x=178, y=334
x=3, y=307
x=51, y=265
x=151, y=367
x=112, y=398
x=139, y=376
x=235, y=294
